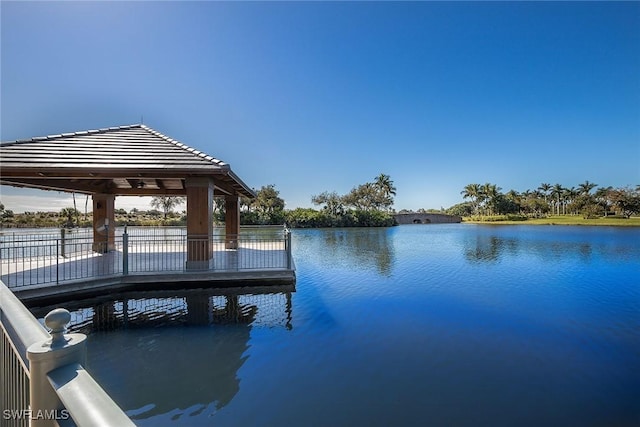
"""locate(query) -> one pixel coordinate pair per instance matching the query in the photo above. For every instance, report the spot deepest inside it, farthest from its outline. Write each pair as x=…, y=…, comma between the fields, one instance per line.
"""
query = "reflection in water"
x=485, y=249
x=357, y=248
x=158, y=367
x=489, y=244
x=535, y=326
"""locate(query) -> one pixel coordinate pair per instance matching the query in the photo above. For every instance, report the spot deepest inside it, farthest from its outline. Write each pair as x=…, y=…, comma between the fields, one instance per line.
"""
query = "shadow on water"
x=176, y=354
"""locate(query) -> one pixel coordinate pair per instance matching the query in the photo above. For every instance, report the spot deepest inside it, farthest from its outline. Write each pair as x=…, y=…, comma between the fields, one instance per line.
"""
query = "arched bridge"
x=425, y=218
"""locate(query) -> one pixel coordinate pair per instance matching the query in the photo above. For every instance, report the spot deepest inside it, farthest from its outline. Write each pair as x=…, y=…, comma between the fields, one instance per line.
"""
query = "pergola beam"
x=58, y=185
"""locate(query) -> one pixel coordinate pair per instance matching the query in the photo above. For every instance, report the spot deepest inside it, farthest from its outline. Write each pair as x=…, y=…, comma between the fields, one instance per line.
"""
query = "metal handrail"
x=84, y=400
x=53, y=261
x=87, y=403
x=22, y=328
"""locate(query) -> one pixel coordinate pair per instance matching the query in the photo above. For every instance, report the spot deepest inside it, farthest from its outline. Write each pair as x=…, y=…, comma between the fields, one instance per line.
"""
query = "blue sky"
x=325, y=96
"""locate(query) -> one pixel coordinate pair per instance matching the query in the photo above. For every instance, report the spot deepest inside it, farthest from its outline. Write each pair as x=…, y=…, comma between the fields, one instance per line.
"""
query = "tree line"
x=366, y=205
x=587, y=199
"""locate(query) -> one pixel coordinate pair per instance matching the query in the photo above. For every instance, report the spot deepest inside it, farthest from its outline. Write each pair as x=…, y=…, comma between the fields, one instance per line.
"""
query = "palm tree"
x=490, y=193
x=166, y=203
x=69, y=214
x=473, y=192
x=544, y=189
x=570, y=197
x=586, y=187
x=513, y=195
x=604, y=199
x=566, y=198
x=557, y=190
x=385, y=184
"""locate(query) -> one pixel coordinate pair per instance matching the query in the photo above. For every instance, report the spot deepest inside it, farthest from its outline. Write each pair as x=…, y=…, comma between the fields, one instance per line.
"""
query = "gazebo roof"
x=125, y=160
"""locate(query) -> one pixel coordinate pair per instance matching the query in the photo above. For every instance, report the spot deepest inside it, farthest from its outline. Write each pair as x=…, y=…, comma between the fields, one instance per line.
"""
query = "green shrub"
x=311, y=218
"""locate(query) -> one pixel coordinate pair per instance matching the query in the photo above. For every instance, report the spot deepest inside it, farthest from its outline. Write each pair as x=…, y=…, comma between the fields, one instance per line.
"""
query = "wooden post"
x=104, y=222
x=232, y=221
x=199, y=222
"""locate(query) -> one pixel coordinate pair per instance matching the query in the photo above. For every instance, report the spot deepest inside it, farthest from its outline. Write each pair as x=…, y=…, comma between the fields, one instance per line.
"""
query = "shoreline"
x=562, y=220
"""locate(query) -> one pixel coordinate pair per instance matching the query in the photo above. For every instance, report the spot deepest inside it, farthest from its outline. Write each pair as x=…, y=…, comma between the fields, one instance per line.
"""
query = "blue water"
x=454, y=324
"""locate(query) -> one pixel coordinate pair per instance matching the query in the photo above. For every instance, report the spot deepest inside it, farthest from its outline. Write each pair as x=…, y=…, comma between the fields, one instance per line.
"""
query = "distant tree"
x=364, y=197
x=544, y=189
x=331, y=202
x=585, y=204
x=384, y=184
x=569, y=196
x=268, y=200
x=69, y=217
x=5, y=215
x=266, y=208
x=557, y=191
x=603, y=197
x=586, y=187
x=461, y=209
x=626, y=201
x=473, y=192
x=490, y=193
x=377, y=195
x=246, y=203
x=166, y=203
x=533, y=204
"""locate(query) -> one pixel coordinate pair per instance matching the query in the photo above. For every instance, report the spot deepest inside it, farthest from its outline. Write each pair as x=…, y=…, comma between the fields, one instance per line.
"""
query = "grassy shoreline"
x=563, y=220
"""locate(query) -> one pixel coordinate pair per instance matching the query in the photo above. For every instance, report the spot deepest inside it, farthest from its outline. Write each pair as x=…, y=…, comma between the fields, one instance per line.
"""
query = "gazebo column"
x=232, y=221
x=104, y=222
x=199, y=222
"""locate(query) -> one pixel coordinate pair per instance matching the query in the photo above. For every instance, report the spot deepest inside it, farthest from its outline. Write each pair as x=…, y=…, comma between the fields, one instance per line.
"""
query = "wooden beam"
x=232, y=221
x=83, y=186
x=104, y=222
x=223, y=187
x=89, y=186
x=148, y=192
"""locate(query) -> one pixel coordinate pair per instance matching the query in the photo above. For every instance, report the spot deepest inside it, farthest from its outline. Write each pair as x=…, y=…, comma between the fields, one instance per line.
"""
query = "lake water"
x=454, y=324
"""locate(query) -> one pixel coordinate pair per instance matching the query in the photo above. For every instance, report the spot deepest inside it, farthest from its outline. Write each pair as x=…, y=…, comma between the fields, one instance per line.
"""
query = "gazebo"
x=130, y=160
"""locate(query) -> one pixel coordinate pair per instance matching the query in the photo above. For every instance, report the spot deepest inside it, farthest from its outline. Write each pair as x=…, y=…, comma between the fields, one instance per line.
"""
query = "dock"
x=51, y=267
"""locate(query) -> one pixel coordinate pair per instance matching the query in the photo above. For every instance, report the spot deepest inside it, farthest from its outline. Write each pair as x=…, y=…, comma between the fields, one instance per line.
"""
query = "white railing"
x=42, y=382
x=49, y=260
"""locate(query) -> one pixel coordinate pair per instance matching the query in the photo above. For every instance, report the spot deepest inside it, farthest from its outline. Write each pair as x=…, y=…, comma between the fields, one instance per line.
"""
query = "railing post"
x=63, y=232
x=288, y=248
x=125, y=252
x=62, y=349
x=57, y=266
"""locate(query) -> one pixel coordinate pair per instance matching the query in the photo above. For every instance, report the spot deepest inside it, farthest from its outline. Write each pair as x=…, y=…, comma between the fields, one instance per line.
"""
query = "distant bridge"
x=425, y=218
